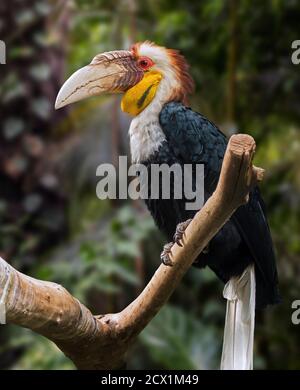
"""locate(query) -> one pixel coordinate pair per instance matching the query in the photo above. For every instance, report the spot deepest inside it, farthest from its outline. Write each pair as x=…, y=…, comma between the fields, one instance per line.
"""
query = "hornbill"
x=156, y=84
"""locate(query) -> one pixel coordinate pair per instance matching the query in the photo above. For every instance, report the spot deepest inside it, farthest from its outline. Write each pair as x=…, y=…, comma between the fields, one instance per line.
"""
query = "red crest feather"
x=181, y=68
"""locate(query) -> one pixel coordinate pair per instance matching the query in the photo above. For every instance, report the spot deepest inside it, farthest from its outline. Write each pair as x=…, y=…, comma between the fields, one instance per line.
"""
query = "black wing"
x=194, y=139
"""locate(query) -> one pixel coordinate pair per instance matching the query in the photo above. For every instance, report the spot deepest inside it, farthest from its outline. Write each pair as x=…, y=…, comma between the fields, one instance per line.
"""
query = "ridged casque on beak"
x=109, y=72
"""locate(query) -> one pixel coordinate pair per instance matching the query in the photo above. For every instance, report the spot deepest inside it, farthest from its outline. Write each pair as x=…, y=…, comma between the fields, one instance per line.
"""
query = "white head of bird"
x=148, y=75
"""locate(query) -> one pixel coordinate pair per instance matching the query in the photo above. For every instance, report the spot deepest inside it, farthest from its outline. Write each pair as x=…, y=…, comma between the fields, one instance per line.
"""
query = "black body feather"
x=245, y=238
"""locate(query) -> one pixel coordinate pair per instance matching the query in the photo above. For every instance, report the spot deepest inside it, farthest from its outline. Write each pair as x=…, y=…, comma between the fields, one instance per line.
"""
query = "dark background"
x=53, y=227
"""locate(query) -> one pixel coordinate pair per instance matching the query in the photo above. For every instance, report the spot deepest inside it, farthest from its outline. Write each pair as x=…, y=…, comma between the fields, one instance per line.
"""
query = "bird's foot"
x=180, y=229
x=165, y=254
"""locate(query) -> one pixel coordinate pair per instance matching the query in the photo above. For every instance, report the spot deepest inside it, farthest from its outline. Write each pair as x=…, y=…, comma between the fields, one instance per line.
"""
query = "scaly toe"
x=165, y=254
x=180, y=229
x=178, y=237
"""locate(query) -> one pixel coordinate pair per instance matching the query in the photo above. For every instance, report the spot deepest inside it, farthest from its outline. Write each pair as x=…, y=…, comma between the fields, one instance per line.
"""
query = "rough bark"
x=101, y=342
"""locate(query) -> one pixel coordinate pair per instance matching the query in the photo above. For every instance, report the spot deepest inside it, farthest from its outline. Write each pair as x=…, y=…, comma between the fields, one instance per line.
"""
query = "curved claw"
x=180, y=229
x=178, y=238
x=167, y=261
x=165, y=255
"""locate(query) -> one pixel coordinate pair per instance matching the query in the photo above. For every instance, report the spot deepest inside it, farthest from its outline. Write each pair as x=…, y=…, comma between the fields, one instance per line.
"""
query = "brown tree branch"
x=101, y=342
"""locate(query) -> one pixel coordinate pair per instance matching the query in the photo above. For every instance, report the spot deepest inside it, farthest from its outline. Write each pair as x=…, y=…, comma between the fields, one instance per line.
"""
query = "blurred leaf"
x=13, y=91
x=42, y=8
x=15, y=166
x=25, y=17
x=177, y=340
x=12, y=127
x=3, y=206
x=41, y=107
x=29, y=244
x=127, y=248
x=42, y=354
x=40, y=72
x=17, y=52
x=32, y=202
x=44, y=272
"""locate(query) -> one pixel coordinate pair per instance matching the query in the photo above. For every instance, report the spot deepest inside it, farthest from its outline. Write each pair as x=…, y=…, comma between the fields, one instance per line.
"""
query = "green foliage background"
x=53, y=227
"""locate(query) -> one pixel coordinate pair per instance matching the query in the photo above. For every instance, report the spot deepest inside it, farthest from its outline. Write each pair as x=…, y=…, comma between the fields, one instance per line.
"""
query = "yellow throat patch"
x=137, y=98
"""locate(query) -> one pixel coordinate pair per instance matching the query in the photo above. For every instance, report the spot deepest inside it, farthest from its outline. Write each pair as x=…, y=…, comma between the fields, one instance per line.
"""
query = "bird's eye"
x=145, y=63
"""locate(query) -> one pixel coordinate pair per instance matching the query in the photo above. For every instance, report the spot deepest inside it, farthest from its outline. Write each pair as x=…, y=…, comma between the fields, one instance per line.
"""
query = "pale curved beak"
x=109, y=72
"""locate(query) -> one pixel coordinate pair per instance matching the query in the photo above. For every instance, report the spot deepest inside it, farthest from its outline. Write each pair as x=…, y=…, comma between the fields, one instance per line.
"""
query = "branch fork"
x=102, y=341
